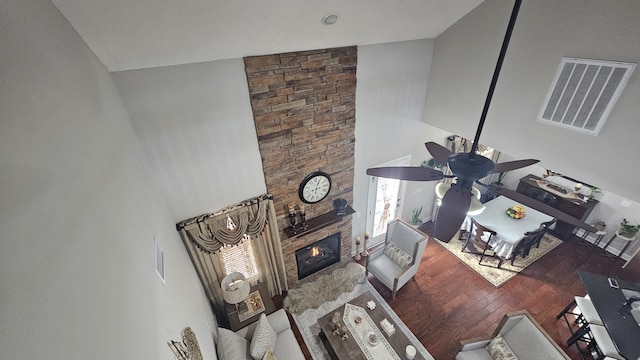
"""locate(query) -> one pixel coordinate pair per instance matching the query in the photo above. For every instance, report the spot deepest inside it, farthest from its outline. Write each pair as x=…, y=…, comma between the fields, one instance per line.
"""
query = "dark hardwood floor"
x=449, y=302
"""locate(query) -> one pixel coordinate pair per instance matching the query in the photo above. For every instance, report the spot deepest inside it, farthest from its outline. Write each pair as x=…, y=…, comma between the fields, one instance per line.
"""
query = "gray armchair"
x=524, y=339
x=399, y=260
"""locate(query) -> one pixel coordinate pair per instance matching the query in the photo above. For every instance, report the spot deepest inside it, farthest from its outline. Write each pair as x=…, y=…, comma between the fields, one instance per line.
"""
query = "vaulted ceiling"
x=127, y=34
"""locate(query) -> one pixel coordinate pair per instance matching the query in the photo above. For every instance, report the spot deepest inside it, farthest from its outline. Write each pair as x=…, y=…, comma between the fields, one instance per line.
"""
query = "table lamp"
x=235, y=288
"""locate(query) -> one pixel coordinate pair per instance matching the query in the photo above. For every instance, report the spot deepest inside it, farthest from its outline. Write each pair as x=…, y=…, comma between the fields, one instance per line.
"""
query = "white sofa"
x=523, y=335
x=236, y=345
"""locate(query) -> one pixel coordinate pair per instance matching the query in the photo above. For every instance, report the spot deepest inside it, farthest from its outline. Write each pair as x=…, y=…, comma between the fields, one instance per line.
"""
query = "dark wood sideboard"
x=574, y=207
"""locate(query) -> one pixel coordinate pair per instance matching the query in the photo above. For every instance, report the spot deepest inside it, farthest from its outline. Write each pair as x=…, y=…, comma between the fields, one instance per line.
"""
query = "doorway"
x=384, y=202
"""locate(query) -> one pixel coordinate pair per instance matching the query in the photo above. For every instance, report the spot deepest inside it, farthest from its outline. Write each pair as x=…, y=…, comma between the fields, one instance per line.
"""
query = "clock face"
x=315, y=187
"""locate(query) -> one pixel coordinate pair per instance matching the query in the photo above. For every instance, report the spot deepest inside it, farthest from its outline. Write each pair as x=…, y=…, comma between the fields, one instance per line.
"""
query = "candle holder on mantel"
x=303, y=218
x=292, y=218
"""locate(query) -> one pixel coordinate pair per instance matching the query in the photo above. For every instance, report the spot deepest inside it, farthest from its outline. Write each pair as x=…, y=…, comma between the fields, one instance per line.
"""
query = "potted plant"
x=594, y=191
x=500, y=178
x=415, y=216
x=432, y=163
x=627, y=229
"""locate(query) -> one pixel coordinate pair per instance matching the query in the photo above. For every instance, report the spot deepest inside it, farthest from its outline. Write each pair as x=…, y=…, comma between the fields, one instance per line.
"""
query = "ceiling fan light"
x=442, y=188
x=475, y=208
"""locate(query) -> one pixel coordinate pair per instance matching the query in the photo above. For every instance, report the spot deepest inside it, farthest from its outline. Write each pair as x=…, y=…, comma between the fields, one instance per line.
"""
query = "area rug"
x=325, y=288
x=489, y=269
x=307, y=322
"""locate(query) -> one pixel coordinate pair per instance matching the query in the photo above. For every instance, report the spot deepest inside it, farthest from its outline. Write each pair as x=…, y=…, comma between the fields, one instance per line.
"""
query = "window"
x=240, y=258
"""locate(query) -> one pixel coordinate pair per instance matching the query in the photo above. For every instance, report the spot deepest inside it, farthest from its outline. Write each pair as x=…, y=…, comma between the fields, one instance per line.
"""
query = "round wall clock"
x=314, y=187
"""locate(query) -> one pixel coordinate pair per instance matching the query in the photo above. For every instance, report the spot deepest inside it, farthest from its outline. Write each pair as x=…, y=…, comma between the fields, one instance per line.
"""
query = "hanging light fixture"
x=475, y=208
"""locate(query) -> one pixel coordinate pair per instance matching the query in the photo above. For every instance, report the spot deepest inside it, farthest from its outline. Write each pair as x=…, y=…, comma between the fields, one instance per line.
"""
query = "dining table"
x=509, y=231
x=622, y=327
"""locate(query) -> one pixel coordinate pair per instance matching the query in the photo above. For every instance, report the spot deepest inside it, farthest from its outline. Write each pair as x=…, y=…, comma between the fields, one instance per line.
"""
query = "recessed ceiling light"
x=330, y=19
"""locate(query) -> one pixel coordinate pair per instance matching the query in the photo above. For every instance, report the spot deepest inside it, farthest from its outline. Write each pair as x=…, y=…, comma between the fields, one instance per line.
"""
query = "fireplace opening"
x=317, y=256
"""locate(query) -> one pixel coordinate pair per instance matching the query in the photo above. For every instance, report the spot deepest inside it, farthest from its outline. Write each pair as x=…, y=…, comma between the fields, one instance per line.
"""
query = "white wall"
x=196, y=127
x=78, y=214
x=392, y=85
x=546, y=30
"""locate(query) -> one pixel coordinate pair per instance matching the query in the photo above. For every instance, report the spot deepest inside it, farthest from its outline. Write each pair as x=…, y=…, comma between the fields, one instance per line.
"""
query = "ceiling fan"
x=468, y=168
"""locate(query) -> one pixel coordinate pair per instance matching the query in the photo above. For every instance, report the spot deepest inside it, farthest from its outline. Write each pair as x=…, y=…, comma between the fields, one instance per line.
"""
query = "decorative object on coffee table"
x=410, y=352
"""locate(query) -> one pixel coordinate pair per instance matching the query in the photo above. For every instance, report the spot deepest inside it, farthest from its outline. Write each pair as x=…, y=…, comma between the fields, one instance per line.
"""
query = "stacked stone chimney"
x=304, y=112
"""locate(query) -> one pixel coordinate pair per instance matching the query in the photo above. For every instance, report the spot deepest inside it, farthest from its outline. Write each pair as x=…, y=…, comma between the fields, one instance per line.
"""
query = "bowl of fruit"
x=516, y=212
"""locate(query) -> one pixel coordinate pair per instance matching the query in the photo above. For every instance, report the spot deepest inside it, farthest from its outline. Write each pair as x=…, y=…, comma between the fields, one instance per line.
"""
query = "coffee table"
x=348, y=349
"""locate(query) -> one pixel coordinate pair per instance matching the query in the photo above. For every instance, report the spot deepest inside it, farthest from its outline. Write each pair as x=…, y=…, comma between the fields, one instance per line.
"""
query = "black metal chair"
x=524, y=246
x=530, y=239
x=545, y=225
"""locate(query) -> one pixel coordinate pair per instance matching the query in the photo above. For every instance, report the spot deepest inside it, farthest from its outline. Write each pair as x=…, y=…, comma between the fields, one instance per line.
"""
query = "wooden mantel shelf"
x=318, y=223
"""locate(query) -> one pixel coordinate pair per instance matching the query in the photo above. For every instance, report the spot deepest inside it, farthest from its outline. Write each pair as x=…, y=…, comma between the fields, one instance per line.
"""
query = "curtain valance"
x=210, y=232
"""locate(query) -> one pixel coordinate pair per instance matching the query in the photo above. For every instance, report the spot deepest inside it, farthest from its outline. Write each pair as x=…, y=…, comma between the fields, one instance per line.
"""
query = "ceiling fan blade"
x=512, y=165
x=413, y=173
x=439, y=152
x=542, y=207
x=452, y=212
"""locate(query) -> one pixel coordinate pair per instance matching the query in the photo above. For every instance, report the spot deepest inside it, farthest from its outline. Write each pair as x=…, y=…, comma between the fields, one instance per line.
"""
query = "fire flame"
x=315, y=251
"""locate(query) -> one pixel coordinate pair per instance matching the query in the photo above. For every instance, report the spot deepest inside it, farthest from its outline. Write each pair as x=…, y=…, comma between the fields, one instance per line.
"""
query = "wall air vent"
x=583, y=93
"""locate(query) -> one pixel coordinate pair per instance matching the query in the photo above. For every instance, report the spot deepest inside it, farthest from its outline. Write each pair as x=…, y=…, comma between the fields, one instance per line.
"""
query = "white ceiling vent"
x=583, y=93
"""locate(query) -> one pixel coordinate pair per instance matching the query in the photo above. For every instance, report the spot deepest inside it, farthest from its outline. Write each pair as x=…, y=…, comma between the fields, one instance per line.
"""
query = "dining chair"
x=479, y=237
x=524, y=246
x=530, y=239
x=546, y=226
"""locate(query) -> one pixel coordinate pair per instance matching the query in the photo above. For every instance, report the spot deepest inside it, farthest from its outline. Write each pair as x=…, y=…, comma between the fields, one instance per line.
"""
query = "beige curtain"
x=206, y=234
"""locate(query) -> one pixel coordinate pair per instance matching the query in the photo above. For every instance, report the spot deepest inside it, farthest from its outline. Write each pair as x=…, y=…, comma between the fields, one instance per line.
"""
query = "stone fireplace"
x=317, y=256
x=303, y=107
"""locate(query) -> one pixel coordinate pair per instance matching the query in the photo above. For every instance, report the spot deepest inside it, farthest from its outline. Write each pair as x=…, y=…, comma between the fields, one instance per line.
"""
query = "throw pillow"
x=264, y=338
x=231, y=346
x=398, y=256
x=269, y=355
x=500, y=350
